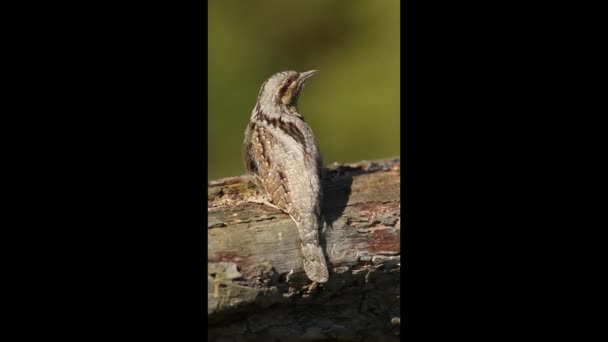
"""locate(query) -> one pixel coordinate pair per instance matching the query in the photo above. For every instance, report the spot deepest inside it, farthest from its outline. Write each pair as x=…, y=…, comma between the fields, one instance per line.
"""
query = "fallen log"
x=256, y=282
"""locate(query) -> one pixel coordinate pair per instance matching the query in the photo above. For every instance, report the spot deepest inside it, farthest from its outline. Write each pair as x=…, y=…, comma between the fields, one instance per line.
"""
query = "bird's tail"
x=314, y=260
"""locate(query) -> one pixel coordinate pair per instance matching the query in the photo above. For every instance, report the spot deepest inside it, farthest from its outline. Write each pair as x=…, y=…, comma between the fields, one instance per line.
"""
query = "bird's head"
x=284, y=87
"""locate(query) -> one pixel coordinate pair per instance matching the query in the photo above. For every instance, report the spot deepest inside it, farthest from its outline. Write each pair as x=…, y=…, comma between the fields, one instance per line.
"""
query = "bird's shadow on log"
x=337, y=185
x=336, y=192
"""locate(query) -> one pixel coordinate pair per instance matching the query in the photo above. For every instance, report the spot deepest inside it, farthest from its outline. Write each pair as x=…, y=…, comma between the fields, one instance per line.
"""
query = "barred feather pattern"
x=281, y=153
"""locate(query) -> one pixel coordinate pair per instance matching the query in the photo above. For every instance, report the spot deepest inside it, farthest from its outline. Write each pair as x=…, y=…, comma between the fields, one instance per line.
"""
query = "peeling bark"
x=256, y=283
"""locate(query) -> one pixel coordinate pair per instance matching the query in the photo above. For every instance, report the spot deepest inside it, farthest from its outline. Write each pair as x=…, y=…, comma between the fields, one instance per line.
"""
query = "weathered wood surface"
x=256, y=283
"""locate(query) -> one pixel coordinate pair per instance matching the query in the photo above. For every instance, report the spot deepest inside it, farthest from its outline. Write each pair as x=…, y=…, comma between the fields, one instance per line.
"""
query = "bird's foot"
x=309, y=289
x=262, y=200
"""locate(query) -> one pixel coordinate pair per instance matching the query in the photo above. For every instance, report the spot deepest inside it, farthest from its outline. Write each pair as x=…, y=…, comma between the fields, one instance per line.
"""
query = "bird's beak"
x=306, y=75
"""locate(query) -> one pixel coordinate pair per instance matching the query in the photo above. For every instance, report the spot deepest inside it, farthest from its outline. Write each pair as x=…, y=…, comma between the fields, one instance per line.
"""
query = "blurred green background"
x=353, y=103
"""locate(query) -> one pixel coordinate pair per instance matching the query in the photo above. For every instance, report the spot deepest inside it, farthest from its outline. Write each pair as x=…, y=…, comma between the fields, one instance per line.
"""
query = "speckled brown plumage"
x=281, y=153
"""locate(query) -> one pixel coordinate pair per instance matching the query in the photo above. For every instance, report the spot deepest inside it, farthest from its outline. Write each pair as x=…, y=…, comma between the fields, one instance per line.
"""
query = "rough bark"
x=257, y=287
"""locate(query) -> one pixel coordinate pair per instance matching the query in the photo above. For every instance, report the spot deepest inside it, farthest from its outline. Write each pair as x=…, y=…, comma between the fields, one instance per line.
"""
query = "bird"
x=282, y=156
